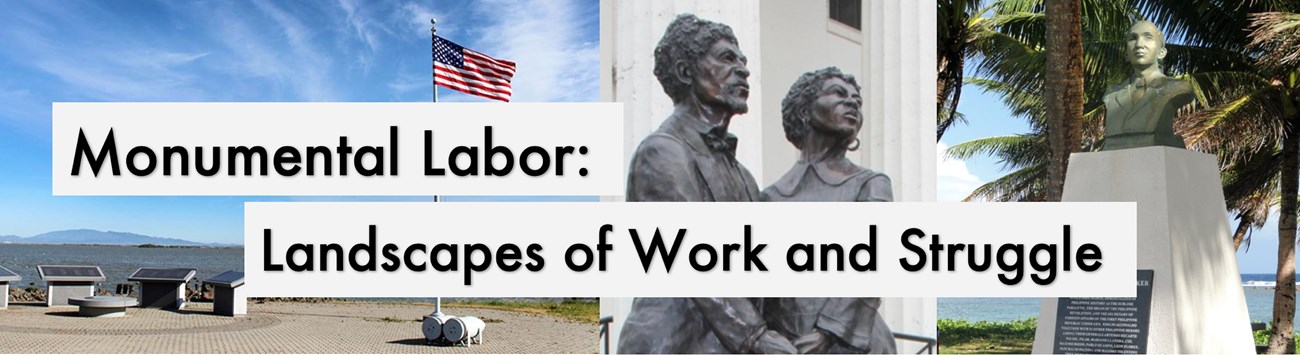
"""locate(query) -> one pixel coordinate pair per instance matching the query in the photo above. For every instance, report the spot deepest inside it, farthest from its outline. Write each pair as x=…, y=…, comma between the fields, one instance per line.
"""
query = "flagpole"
x=433, y=32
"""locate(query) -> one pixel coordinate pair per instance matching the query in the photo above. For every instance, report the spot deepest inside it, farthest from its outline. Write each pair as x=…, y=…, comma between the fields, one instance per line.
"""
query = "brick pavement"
x=281, y=327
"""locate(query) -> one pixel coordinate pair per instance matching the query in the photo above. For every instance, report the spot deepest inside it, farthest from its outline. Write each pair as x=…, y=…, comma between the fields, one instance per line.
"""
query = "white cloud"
x=545, y=39
x=954, y=179
x=291, y=60
x=406, y=82
x=416, y=17
x=102, y=67
x=360, y=24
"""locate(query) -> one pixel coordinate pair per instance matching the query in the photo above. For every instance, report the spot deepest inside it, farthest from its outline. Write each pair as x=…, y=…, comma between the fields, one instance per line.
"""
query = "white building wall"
x=619, y=309
x=916, y=316
x=639, y=26
x=798, y=37
x=898, y=93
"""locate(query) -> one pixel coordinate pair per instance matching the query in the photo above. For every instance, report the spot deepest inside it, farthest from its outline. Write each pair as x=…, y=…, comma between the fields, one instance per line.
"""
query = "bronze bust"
x=822, y=115
x=692, y=158
x=1140, y=111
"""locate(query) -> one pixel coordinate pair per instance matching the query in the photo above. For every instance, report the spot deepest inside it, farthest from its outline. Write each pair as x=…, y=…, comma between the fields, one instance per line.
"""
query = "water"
x=1258, y=289
x=117, y=262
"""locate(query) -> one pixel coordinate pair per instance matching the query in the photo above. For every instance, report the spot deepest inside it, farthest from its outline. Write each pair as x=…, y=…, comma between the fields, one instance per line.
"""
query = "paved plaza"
x=281, y=327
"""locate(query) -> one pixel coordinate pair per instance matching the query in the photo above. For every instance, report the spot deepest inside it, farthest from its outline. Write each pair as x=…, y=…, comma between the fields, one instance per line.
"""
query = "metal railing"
x=930, y=343
x=929, y=348
x=604, y=331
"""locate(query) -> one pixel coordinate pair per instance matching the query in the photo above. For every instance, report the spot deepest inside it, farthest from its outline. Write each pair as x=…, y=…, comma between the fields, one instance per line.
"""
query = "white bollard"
x=433, y=326
x=464, y=330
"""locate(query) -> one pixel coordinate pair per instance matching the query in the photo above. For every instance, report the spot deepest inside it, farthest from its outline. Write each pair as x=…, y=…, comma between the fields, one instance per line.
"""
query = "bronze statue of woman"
x=822, y=116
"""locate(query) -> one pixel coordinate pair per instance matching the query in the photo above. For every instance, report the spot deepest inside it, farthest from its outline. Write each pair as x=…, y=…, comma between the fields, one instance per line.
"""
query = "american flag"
x=470, y=72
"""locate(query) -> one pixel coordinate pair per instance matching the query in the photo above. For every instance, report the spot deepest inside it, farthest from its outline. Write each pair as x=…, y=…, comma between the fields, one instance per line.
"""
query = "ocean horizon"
x=1258, y=289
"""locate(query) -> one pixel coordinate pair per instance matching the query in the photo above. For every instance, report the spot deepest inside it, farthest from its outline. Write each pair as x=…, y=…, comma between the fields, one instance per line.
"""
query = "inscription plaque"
x=1105, y=325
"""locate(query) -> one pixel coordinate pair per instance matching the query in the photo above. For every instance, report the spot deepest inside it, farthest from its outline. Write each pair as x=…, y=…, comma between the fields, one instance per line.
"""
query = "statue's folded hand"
x=772, y=342
x=816, y=342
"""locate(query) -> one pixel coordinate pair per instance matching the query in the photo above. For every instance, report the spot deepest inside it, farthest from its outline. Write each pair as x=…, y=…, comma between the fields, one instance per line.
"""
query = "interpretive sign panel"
x=1105, y=325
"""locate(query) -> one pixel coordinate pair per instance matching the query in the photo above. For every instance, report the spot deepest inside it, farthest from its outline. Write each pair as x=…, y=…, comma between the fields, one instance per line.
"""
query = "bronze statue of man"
x=1140, y=111
x=692, y=158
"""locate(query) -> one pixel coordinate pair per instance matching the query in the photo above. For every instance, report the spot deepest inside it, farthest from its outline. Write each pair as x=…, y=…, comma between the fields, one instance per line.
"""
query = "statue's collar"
x=1137, y=81
x=788, y=183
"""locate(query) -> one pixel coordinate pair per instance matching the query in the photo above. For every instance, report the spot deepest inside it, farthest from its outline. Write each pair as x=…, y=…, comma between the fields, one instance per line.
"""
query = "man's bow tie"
x=719, y=140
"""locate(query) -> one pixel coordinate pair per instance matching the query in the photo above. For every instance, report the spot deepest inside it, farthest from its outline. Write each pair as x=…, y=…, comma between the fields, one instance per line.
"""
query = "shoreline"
x=961, y=336
x=146, y=245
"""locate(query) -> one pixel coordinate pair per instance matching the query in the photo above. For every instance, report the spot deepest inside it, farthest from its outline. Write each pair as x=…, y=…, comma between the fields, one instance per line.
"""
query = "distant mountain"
x=89, y=236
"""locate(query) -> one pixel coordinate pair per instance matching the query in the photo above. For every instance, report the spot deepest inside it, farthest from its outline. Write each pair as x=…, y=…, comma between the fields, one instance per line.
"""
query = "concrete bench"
x=102, y=307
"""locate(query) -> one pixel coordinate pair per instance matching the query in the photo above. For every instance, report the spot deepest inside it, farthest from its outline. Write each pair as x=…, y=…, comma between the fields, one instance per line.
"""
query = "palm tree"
x=1026, y=154
x=1011, y=64
x=960, y=28
x=1064, y=90
x=1277, y=36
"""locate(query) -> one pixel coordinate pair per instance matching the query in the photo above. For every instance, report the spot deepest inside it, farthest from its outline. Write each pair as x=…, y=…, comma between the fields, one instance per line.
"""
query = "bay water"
x=1258, y=289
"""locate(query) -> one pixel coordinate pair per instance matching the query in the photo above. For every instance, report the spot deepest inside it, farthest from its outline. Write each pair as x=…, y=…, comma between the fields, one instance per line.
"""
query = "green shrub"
x=963, y=336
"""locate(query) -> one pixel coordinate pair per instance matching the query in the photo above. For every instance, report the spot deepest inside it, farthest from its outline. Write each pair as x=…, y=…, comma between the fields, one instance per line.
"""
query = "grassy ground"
x=581, y=311
x=983, y=337
x=1015, y=337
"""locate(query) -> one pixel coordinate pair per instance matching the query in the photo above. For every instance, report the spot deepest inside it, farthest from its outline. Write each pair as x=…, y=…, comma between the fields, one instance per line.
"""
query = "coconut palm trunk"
x=1064, y=87
x=1282, y=338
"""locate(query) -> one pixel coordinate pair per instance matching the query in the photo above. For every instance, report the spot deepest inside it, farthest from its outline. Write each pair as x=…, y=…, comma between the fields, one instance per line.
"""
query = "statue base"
x=1197, y=304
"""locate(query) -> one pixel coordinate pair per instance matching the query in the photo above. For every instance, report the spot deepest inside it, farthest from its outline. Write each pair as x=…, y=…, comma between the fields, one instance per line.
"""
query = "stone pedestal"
x=58, y=292
x=163, y=294
x=227, y=298
x=6, y=277
x=1197, y=301
x=229, y=301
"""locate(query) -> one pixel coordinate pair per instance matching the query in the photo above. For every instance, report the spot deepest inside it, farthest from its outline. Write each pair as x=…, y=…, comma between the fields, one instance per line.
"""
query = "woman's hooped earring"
x=856, y=142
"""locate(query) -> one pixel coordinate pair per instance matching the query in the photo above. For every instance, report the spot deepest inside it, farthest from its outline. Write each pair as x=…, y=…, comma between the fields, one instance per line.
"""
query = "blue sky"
x=236, y=51
x=987, y=116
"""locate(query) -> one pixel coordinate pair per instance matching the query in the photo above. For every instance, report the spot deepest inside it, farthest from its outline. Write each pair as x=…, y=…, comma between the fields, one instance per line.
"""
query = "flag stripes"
x=465, y=70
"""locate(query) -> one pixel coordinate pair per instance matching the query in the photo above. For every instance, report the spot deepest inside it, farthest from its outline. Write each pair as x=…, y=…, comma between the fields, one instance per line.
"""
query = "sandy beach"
x=281, y=327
